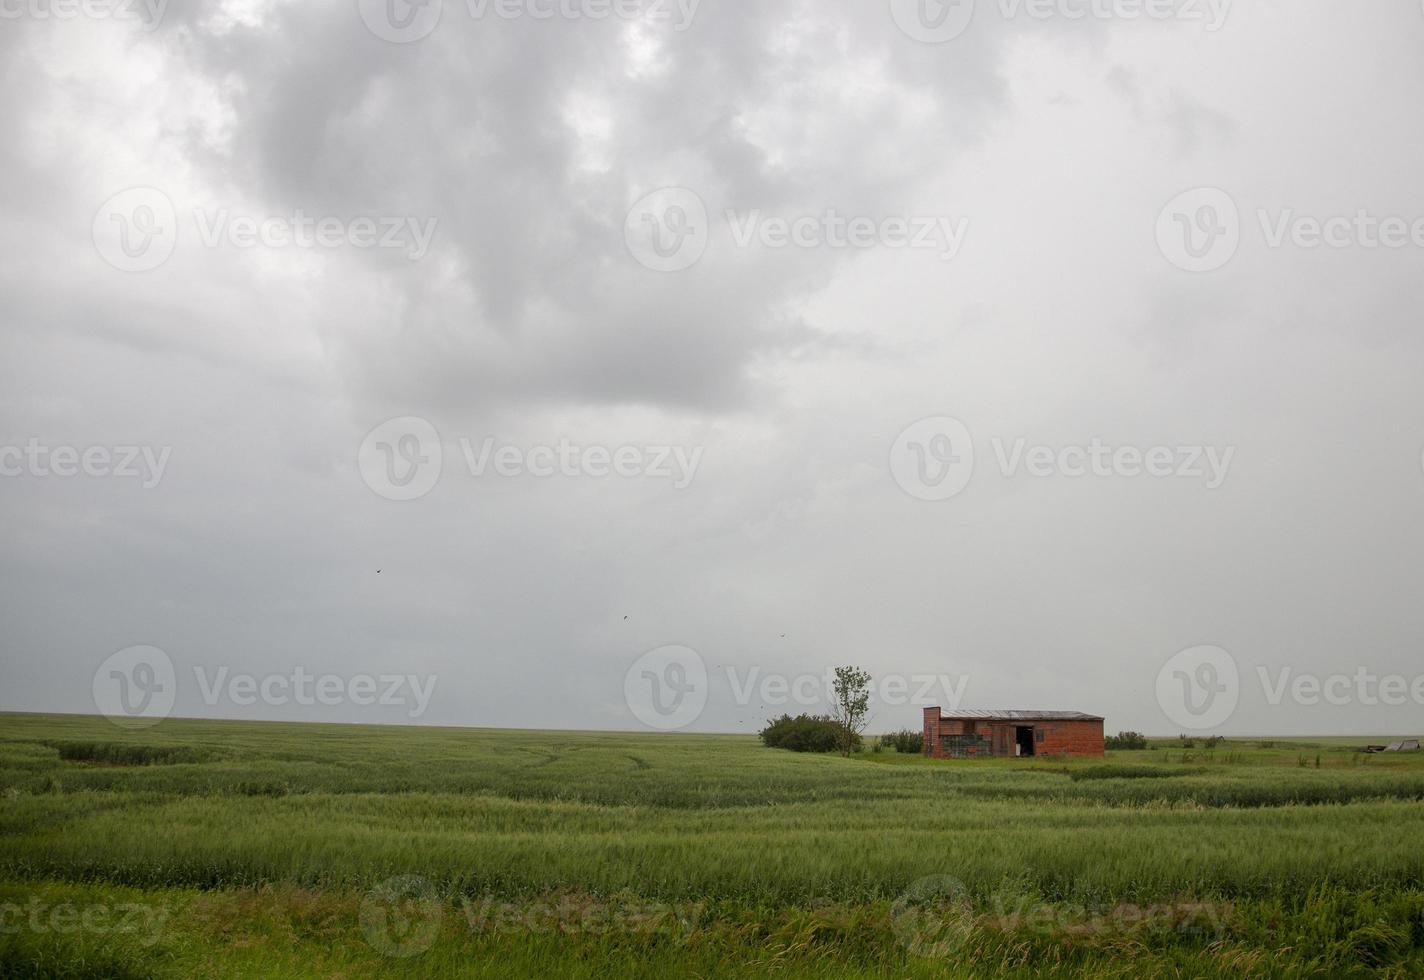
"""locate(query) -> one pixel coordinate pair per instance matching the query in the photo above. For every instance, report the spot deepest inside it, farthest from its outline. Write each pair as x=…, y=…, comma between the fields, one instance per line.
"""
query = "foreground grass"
x=286, y=931
x=226, y=849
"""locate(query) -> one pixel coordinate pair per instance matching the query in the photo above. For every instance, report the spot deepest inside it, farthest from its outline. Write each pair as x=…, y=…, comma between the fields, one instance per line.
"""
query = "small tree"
x=852, y=687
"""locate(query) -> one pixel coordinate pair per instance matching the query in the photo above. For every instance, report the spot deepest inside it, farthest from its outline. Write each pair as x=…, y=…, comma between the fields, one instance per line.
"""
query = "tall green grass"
x=263, y=840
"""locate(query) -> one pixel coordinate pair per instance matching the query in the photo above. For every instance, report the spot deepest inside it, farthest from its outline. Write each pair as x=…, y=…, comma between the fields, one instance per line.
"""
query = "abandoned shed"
x=977, y=734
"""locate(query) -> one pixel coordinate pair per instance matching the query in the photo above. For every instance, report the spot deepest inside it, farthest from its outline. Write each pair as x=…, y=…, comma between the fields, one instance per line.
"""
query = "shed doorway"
x=1023, y=740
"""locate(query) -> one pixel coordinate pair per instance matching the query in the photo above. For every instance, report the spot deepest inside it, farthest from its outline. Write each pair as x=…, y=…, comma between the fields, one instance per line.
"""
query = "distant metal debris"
x=1404, y=745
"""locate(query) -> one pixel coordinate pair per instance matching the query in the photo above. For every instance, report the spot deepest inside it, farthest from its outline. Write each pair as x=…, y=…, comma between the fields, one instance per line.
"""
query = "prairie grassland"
x=233, y=849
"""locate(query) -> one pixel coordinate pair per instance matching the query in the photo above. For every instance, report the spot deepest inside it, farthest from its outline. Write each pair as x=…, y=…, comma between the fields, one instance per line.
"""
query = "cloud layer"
x=1066, y=319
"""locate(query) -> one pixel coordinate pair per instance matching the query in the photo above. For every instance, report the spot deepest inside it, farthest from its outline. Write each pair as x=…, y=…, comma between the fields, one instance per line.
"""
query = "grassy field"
x=233, y=849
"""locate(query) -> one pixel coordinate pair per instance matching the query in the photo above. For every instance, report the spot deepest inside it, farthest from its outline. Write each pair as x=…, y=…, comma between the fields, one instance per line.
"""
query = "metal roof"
x=979, y=715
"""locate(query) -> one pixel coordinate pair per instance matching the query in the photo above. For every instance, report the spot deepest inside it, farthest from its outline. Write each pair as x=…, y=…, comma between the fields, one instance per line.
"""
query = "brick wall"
x=1069, y=738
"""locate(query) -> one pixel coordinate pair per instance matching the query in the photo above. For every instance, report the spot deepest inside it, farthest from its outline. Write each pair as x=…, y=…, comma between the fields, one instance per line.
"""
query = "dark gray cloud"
x=791, y=371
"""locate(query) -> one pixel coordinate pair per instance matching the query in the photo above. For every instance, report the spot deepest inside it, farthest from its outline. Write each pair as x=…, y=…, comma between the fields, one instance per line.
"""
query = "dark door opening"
x=1023, y=738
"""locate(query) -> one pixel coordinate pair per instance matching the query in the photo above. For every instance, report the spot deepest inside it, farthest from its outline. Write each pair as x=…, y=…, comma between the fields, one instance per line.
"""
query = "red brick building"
x=981, y=734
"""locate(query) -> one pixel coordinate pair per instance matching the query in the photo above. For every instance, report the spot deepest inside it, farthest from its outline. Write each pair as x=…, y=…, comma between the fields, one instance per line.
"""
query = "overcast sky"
x=1015, y=352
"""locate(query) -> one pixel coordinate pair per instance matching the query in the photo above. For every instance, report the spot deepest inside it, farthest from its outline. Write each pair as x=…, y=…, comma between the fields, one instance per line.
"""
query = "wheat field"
x=238, y=849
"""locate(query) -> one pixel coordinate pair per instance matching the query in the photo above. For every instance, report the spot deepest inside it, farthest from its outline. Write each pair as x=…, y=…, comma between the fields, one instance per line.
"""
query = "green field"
x=234, y=849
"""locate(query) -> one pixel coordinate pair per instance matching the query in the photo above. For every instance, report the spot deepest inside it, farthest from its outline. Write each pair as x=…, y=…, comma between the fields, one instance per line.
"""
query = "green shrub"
x=128, y=753
x=1126, y=740
x=805, y=733
x=908, y=741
